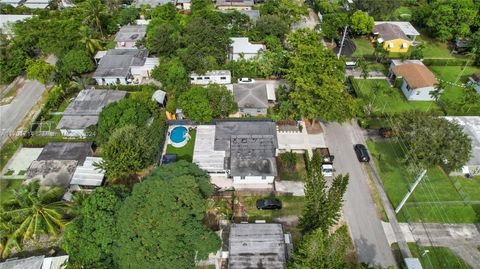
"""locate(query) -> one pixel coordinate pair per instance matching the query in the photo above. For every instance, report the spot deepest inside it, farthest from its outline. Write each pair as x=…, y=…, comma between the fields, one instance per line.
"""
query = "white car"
x=246, y=80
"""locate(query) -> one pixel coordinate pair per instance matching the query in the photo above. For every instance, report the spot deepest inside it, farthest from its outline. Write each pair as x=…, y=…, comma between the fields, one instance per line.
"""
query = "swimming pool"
x=179, y=136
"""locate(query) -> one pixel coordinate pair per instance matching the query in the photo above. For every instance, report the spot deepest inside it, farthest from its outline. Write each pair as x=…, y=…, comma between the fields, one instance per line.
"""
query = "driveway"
x=359, y=209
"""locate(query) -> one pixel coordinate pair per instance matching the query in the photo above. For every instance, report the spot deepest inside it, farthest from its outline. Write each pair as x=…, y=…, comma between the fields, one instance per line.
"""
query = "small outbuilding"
x=215, y=76
x=129, y=35
x=253, y=98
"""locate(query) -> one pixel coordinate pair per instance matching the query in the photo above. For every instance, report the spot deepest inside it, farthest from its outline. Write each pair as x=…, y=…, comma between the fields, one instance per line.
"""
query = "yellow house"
x=235, y=4
x=395, y=36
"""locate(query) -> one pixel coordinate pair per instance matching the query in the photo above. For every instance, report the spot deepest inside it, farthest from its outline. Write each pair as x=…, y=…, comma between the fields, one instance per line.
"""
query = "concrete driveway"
x=294, y=187
x=359, y=209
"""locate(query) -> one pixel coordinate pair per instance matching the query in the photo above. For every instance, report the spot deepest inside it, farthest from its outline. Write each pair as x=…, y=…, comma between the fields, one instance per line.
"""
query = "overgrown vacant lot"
x=453, y=94
x=438, y=198
x=387, y=99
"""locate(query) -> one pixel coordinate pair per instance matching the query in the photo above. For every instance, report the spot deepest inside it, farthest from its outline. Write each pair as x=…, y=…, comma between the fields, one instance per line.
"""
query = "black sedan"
x=269, y=204
x=362, y=153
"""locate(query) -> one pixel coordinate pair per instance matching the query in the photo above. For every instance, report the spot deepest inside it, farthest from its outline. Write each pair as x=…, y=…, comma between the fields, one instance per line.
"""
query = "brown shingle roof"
x=416, y=75
x=388, y=31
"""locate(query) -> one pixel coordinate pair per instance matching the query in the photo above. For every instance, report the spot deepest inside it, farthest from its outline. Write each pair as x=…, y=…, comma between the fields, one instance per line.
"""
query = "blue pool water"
x=178, y=134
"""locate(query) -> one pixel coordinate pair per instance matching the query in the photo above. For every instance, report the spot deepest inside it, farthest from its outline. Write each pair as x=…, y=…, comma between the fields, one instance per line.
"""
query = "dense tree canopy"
x=270, y=25
x=333, y=23
x=432, y=141
x=161, y=220
x=163, y=38
x=39, y=70
x=76, y=62
x=361, y=23
x=12, y=61
x=381, y=10
x=129, y=149
x=88, y=239
x=119, y=114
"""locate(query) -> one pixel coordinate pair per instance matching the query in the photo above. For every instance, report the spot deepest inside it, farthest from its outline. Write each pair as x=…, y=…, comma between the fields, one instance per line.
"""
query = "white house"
x=180, y=4
x=243, y=151
x=216, y=76
x=37, y=4
x=84, y=110
x=7, y=21
x=13, y=3
x=253, y=99
x=128, y=35
x=123, y=66
x=242, y=48
x=418, y=81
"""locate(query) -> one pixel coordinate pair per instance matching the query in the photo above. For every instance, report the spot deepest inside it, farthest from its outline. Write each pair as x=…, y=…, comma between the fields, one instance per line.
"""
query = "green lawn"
x=453, y=94
x=364, y=47
x=437, y=187
x=298, y=174
x=437, y=257
x=434, y=48
x=291, y=206
x=387, y=99
x=185, y=152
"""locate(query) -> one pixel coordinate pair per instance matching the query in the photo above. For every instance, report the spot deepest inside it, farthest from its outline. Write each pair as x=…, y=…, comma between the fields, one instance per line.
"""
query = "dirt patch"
x=9, y=93
x=313, y=127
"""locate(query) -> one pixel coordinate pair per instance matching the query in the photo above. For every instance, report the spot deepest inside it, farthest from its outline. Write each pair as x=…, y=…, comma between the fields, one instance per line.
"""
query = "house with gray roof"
x=56, y=164
x=242, y=48
x=128, y=35
x=253, y=99
x=84, y=110
x=235, y=4
x=37, y=4
x=36, y=262
x=8, y=20
x=180, y=4
x=244, y=151
x=258, y=245
x=123, y=66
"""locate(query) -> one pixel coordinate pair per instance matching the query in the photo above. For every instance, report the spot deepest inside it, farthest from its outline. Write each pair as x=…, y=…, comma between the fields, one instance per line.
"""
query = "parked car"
x=269, y=204
x=385, y=132
x=362, y=153
x=246, y=80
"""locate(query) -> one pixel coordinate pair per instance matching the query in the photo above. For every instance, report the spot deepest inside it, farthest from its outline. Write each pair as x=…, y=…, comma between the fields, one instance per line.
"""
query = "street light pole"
x=343, y=40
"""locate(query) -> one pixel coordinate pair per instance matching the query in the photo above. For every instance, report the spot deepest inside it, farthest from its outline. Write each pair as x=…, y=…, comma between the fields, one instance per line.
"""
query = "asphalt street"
x=11, y=115
x=359, y=209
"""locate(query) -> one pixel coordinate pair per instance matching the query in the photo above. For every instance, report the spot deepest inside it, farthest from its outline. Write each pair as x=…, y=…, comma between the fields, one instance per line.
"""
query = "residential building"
x=57, y=162
x=244, y=151
x=87, y=175
x=128, y=35
x=396, y=36
x=84, y=110
x=184, y=4
x=471, y=127
x=13, y=3
x=235, y=4
x=7, y=21
x=215, y=76
x=37, y=4
x=180, y=4
x=258, y=245
x=36, y=262
x=253, y=15
x=242, y=48
x=253, y=99
x=123, y=66
x=417, y=80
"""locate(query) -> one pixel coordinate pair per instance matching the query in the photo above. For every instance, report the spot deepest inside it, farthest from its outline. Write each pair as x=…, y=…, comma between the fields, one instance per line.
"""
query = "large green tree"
x=381, y=10
x=450, y=19
x=129, y=149
x=361, y=23
x=270, y=25
x=163, y=39
x=39, y=70
x=116, y=115
x=31, y=212
x=76, y=62
x=431, y=141
x=160, y=222
x=320, y=250
x=323, y=204
x=333, y=23
x=12, y=61
x=88, y=239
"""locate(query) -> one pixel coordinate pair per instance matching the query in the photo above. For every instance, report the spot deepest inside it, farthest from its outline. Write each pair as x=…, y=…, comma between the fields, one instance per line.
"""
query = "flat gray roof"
x=250, y=95
x=77, y=151
x=256, y=246
x=34, y=262
x=51, y=172
x=83, y=111
x=235, y=3
x=131, y=33
x=250, y=147
x=117, y=62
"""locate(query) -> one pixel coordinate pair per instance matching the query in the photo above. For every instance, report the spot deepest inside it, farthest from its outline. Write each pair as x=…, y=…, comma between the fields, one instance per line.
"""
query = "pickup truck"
x=327, y=162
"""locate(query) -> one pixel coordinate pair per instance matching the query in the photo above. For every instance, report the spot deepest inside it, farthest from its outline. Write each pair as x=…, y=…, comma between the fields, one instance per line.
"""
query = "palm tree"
x=91, y=44
x=437, y=92
x=32, y=211
x=79, y=83
x=94, y=11
x=290, y=159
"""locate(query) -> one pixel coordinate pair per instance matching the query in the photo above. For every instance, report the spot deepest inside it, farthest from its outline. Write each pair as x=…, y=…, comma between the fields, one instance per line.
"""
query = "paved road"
x=359, y=209
x=12, y=114
x=463, y=239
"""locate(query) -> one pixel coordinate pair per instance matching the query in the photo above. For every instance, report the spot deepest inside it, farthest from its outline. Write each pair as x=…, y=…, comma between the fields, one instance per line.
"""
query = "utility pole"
x=343, y=40
x=419, y=178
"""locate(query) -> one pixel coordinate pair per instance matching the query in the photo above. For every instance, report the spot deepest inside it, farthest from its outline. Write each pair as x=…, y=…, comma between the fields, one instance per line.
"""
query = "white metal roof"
x=204, y=154
x=88, y=174
x=271, y=92
x=242, y=45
